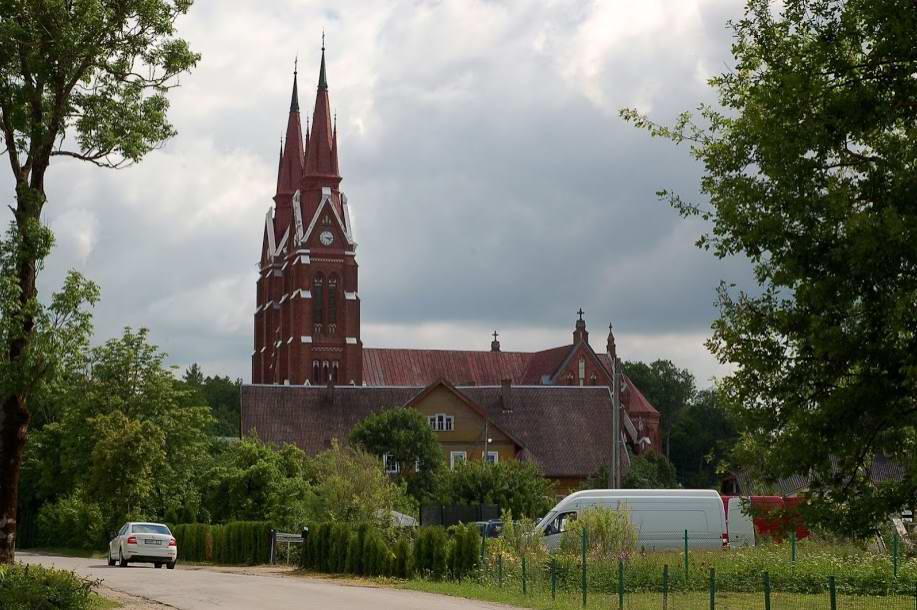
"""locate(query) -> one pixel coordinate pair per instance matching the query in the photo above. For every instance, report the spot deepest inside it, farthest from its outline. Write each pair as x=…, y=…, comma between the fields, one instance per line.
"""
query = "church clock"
x=327, y=238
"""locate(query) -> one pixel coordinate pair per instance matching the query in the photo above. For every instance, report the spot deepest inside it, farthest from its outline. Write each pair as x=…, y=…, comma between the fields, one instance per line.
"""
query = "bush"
x=609, y=534
x=237, y=542
x=71, y=522
x=35, y=588
x=195, y=541
x=464, y=552
x=519, y=539
x=431, y=552
x=512, y=484
x=377, y=558
x=404, y=558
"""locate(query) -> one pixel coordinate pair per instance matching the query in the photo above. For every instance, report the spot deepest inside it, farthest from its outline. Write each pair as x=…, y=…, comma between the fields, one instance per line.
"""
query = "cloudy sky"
x=491, y=182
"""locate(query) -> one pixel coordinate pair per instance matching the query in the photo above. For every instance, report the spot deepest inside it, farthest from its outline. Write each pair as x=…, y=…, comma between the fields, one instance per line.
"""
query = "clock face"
x=327, y=238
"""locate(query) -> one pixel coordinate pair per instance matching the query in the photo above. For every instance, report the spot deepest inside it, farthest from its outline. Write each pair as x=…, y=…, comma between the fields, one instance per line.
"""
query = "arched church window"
x=325, y=371
x=334, y=371
x=318, y=302
x=570, y=378
x=582, y=371
x=333, y=299
x=593, y=379
x=316, y=371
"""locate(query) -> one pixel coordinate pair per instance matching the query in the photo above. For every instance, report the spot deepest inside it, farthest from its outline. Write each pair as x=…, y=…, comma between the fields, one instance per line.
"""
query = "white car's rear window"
x=149, y=528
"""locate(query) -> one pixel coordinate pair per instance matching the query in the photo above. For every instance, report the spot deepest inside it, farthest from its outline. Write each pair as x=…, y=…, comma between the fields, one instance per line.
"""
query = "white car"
x=143, y=543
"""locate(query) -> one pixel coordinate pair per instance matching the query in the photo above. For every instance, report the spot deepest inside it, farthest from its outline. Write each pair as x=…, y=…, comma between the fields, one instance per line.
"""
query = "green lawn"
x=653, y=601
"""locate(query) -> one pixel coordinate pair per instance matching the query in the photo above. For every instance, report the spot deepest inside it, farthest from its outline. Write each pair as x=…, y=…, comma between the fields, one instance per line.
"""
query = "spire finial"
x=294, y=99
x=495, y=345
x=580, y=313
x=322, y=81
x=496, y=334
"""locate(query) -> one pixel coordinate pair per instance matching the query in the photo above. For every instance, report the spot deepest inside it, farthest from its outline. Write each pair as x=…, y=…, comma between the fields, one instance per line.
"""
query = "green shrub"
x=610, y=535
x=71, y=522
x=195, y=542
x=377, y=557
x=37, y=588
x=464, y=551
x=238, y=542
x=431, y=552
x=403, y=566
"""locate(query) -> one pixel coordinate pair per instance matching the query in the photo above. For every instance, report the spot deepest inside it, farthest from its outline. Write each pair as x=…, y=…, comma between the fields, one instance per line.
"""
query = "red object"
x=766, y=523
x=172, y=542
x=132, y=539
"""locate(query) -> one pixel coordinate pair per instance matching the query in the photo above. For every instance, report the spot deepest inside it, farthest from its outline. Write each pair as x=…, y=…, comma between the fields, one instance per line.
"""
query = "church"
x=313, y=380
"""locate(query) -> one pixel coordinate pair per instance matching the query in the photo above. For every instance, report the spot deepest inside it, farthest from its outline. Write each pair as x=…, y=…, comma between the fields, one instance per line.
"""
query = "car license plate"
x=152, y=542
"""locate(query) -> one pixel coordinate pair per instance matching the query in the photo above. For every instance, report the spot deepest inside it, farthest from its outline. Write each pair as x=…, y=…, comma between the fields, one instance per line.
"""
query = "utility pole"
x=615, y=475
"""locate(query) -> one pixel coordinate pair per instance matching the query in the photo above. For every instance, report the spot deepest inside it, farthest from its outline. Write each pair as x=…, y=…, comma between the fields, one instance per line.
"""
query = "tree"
x=84, y=80
x=810, y=173
x=515, y=486
x=404, y=434
x=651, y=471
x=667, y=387
x=702, y=438
x=223, y=396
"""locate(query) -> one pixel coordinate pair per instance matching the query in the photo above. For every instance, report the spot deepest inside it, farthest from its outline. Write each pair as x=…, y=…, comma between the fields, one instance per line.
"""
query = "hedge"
x=24, y=587
x=363, y=550
x=237, y=542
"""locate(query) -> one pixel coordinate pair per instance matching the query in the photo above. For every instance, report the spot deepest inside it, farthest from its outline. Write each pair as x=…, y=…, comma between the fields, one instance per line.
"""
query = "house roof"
x=421, y=367
x=545, y=420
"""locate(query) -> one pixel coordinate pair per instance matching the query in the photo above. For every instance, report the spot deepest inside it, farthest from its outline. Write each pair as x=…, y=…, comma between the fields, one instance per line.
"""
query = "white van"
x=661, y=516
x=739, y=523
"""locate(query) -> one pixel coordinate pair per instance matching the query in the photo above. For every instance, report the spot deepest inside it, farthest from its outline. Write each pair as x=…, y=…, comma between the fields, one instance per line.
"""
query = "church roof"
x=543, y=419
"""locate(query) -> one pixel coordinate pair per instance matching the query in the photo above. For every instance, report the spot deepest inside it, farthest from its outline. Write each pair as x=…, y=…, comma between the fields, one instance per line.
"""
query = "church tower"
x=307, y=319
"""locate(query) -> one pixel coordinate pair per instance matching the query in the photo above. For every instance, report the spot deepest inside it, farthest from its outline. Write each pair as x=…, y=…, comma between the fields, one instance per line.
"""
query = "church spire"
x=291, y=159
x=321, y=166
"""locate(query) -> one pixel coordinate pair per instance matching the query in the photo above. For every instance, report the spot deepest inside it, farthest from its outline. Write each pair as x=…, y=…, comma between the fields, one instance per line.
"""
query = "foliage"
x=431, y=552
x=464, y=552
x=403, y=566
x=251, y=480
x=350, y=485
x=72, y=522
x=702, y=439
x=85, y=80
x=610, y=536
x=650, y=471
x=241, y=542
x=809, y=168
x=518, y=539
x=512, y=484
x=195, y=541
x=345, y=548
x=24, y=587
x=222, y=394
x=403, y=433
x=667, y=387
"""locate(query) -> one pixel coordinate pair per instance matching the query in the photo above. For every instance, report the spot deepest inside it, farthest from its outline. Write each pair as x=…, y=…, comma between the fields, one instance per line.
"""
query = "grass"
x=103, y=603
x=66, y=552
x=652, y=601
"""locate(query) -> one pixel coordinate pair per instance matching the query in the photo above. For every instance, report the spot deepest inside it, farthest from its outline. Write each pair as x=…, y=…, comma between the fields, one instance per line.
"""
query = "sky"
x=491, y=182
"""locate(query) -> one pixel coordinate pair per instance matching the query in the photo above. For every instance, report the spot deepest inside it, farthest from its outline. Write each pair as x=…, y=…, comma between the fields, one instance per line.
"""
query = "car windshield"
x=150, y=528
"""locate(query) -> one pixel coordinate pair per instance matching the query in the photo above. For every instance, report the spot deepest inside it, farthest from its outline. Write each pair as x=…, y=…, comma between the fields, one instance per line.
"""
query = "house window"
x=391, y=466
x=456, y=457
x=441, y=422
x=492, y=457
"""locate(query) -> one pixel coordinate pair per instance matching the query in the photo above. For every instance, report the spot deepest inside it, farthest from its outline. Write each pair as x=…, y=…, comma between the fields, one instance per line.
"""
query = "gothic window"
x=570, y=378
x=593, y=379
x=582, y=370
x=325, y=371
x=318, y=313
x=316, y=371
x=334, y=371
x=333, y=299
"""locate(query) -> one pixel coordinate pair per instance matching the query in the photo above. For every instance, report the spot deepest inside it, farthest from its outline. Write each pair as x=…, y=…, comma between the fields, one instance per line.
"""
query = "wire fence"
x=690, y=582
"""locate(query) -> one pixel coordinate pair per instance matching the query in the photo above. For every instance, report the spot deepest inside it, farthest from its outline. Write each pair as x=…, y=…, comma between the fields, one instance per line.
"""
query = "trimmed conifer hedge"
x=237, y=542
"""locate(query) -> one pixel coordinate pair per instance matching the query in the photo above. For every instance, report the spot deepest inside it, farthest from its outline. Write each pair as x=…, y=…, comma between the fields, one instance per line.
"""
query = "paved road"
x=198, y=589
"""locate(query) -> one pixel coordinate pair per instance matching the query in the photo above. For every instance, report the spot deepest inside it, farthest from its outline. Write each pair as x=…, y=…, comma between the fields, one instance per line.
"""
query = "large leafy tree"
x=667, y=387
x=223, y=396
x=403, y=433
x=702, y=440
x=83, y=79
x=514, y=485
x=811, y=172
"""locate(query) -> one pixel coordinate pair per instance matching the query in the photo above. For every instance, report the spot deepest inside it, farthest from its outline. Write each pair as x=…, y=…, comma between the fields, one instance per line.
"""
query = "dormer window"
x=441, y=422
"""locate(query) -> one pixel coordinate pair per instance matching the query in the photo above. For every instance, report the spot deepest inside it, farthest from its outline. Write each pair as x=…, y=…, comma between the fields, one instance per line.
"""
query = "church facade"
x=307, y=342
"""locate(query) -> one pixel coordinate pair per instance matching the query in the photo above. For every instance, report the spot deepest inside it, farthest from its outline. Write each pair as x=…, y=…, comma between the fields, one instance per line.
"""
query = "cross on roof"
x=580, y=313
x=323, y=39
x=496, y=334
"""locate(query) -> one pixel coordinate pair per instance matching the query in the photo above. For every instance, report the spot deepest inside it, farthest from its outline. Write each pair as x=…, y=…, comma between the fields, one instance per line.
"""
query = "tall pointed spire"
x=291, y=159
x=321, y=167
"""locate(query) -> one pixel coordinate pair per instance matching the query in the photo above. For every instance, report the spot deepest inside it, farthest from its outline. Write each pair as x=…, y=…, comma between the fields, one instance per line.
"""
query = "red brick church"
x=307, y=334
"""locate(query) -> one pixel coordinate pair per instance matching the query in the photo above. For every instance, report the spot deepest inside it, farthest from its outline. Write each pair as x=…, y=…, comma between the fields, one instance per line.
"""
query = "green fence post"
x=483, y=538
x=583, y=567
x=553, y=578
x=832, y=591
x=686, y=560
x=767, y=591
x=524, y=583
x=620, y=584
x=665, y=587
x=793, y=546
x=500, y=570
x=895, y=555
x=712, y=589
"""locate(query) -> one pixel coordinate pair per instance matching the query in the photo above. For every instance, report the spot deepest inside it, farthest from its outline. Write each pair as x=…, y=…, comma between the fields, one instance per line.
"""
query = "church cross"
x=496, y=334
x=580, y=313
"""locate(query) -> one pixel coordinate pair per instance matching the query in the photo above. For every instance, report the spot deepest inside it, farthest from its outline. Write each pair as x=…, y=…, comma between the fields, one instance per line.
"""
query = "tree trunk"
x=14, y=418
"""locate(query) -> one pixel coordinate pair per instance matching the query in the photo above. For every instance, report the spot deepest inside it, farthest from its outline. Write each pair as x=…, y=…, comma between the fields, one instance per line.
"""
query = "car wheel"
x=170, y=565
x=123, y=561
x=111, y=560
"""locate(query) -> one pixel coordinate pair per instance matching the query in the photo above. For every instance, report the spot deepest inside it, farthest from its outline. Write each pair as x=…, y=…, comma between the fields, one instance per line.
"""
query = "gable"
x=325, y=206
x=582, y=361
x=468, y=423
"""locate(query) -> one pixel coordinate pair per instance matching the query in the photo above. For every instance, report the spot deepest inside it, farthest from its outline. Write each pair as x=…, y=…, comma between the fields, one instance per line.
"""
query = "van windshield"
x=546, y=520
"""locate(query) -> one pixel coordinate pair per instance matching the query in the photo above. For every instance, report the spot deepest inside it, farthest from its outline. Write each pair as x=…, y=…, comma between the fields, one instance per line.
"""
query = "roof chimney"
x=506, y=394
x=495, y=345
